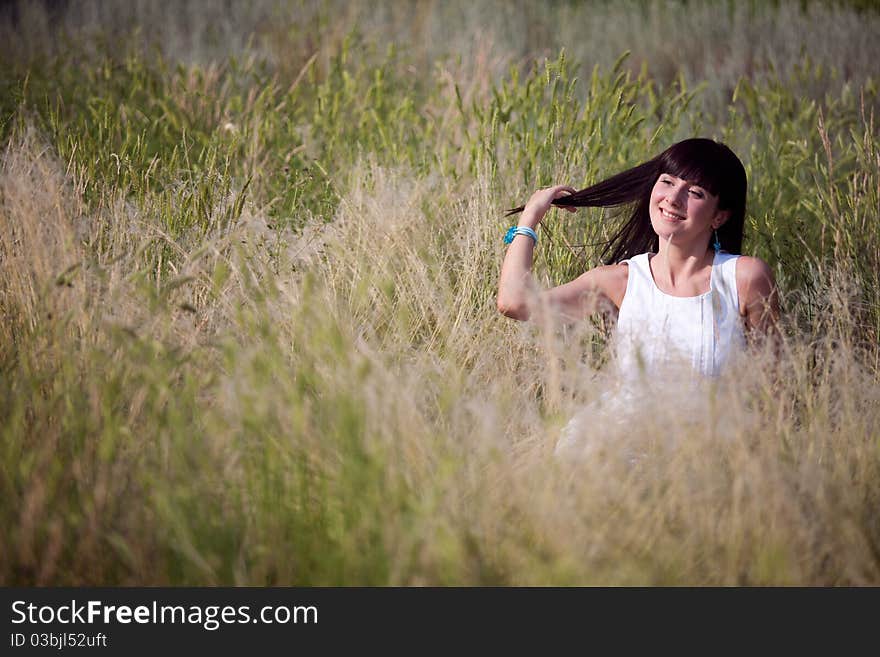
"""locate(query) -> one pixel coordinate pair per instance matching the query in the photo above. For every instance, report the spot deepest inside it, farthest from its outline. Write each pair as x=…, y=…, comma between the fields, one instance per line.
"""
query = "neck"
x=680, y=263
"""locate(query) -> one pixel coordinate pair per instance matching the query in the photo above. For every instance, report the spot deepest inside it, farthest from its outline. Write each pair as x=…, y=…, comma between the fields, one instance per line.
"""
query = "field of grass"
x=248, y=262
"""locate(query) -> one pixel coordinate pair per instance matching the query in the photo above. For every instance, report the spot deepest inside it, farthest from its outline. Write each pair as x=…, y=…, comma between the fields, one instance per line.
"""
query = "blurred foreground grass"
x=247, y=277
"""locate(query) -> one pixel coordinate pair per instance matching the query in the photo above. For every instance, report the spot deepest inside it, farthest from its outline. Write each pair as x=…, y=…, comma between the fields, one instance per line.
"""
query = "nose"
x=676, y=195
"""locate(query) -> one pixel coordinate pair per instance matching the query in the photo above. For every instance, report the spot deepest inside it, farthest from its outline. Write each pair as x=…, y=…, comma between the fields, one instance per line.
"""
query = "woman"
x=685, y=302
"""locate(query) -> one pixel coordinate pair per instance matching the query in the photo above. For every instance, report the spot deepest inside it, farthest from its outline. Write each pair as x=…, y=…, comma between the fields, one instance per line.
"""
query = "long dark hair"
x=705, y=162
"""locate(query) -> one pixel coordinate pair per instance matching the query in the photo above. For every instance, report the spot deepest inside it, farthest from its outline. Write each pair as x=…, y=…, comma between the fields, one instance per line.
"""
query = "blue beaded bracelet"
x=513, y=231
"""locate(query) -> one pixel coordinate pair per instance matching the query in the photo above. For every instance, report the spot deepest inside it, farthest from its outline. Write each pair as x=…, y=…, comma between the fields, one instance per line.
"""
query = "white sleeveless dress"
x=656, y=330
x=660, y=339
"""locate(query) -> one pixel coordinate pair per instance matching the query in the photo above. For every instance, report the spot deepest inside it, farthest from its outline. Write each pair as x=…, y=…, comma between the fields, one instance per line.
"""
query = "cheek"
x=705, y=210
x=700, y=208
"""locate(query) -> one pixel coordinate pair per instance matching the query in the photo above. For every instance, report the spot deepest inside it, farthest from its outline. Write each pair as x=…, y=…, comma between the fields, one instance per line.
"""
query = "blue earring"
x=717, y=243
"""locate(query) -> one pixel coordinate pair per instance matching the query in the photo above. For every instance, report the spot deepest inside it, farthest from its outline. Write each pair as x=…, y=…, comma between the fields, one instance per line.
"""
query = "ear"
x=720, y=219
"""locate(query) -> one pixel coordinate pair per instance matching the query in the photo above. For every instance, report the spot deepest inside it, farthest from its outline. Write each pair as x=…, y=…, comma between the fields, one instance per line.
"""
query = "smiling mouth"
x=670, y=215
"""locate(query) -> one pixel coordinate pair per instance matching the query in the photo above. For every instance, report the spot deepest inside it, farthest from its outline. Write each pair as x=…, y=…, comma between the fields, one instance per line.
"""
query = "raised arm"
x=574, y=300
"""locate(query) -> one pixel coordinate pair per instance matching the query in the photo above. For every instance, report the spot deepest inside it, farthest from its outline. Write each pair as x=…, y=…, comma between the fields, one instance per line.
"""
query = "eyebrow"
x=692, y=183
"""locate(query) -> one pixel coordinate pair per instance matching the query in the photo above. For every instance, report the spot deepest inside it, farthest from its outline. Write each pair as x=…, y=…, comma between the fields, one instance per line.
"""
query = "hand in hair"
x=540, y=202
x=516, y=279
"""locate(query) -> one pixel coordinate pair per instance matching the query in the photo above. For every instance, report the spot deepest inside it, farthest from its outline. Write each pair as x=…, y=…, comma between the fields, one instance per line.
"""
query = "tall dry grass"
x=348, y=409
x=248, y=341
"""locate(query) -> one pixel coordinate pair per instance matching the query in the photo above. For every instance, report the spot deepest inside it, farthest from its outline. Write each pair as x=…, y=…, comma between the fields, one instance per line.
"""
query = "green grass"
x=247, y=276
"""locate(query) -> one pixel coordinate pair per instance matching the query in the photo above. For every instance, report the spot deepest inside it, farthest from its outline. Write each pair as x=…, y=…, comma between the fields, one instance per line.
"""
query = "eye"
x=666, y=181
x=698, y=193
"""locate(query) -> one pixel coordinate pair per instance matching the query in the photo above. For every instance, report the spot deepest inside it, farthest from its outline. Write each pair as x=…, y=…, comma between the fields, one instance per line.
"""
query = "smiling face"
x=684, y=211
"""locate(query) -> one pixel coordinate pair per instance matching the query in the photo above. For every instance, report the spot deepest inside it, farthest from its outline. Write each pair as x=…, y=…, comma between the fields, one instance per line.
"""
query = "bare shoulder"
x=749, y=268
x=754, y=282
x=610, y=280
x=752, y=273
x=590, y=292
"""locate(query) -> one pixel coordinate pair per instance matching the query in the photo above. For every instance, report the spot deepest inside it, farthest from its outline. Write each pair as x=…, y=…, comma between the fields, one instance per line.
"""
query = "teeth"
x=670, y=215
